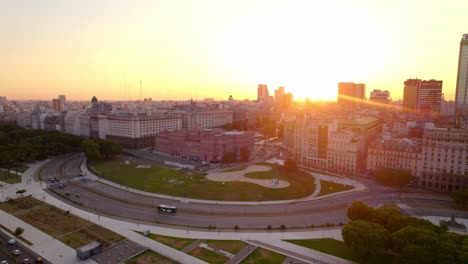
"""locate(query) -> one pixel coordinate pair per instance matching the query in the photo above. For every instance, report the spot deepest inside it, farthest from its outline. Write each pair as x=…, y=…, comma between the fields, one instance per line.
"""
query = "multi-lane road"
x=23, y=255
x=114, y=202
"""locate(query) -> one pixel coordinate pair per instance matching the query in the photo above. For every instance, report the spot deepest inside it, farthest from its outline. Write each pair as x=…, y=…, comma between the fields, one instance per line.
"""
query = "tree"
x=402, y=177
x=460, y=196
x=228, y=157
x=290, y=165
x=244, y=153
x=109, y=148
x=359, y=211
x=365, y=238
x=91, y=149
x=19, y=231
x=416, y=244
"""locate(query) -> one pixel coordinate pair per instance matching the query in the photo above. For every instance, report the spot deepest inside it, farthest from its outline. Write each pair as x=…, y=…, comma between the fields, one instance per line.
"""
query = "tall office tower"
x=461, y=95
x=262, y=92
x=62, y=99
x=430, y=97
x=351, y=94
x=56, y=105
x=279, y=95
x=422, y=97
x=288, y=100
x=410, y=95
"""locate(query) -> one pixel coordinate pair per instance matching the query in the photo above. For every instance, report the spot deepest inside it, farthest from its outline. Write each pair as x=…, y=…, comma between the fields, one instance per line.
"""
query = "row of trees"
x=17, y=145
x=96, y=149
x=376, y=231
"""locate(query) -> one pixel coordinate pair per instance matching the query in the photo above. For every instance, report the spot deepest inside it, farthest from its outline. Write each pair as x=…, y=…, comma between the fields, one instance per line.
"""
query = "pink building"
x=206, y=145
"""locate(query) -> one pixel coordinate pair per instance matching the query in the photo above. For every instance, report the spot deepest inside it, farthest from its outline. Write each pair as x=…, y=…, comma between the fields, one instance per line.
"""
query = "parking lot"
x=21, y=256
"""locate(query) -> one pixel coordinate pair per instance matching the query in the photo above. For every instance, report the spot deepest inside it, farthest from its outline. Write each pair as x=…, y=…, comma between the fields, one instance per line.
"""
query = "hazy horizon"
x=211, y=49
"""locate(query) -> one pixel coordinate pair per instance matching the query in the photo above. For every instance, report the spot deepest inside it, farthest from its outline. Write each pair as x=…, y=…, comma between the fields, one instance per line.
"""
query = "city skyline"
x=182, y=50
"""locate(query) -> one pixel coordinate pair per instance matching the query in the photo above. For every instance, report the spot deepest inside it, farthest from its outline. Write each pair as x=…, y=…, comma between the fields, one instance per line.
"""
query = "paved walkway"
x=238, y=176
x=192, y=246
x=357, y=187
x=27, y=183
x=245, y=252
x=298, y=252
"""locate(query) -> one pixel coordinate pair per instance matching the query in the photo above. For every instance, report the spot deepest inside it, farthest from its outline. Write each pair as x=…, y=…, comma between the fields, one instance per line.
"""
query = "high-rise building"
x=279, y=95
x=63, y=99
x=410, y=95
x=56, y=105
x=288, y=100
x=430, y=97
x=422, y=97
x=351, y=94
x=262, y=93
x=461, y=94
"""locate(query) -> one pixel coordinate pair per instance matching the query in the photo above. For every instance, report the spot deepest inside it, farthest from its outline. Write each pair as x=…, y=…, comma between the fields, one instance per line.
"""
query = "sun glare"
x=295, y=49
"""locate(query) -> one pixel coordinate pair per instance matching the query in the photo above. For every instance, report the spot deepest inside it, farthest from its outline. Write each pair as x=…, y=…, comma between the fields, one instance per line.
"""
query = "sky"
x=182, y=49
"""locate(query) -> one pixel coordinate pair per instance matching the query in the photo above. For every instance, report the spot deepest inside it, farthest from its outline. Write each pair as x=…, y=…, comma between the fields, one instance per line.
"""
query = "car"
x=11, y=241
x=3, y=262
x=67, y=193
x=61, y=186
x=26, y=261
x=77, y=195
x=39, y=260
x=16, y=252
x=81, y=174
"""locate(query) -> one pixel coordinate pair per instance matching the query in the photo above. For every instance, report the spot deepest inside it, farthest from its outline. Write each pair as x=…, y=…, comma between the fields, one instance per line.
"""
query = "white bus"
x=166, y=208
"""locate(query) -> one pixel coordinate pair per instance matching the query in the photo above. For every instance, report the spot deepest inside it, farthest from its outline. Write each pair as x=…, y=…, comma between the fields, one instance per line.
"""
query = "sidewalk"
x=27, y=183
x=43, y=244
x=298, y=252
x=357, y=187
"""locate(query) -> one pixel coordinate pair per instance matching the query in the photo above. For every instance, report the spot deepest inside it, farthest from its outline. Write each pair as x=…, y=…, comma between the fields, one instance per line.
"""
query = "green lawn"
x=178, y=183
x=261, y=255
x=241, y=168
x=19, y=204
x=331, y=187
x=208, y=256
x=175, y=242
x=9, y=177
x=69, y=229
x=231, y=246
x=150, y=257
x=328, y=246
x=339, y=249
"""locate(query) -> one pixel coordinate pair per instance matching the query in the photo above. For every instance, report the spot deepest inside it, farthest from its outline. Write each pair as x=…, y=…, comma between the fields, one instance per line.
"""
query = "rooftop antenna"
x=140, y=90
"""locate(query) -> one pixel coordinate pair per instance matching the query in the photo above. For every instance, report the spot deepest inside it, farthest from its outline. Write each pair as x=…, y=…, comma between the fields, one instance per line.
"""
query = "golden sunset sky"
x=211, y=48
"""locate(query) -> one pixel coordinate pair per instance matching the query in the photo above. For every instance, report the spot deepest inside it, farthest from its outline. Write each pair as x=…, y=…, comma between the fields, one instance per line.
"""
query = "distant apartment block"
x=320, y=144
x=444, y=161
x=202, y=119
x=380, y=98
x=394, y=154
x=136, y=131
x=262, y=93
x=447, y=108
x=351, y=94
x=208, y=145
x=423, y=97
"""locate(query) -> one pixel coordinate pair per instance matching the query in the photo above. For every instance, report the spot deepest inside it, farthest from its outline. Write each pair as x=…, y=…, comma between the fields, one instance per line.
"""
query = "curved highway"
x=110, y=201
